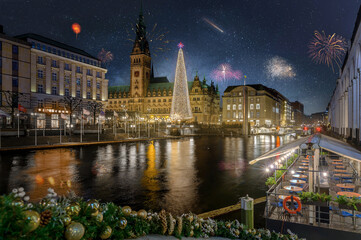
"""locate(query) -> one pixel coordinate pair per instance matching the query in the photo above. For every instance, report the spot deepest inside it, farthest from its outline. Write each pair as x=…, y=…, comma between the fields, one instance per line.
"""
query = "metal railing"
x=321, y=214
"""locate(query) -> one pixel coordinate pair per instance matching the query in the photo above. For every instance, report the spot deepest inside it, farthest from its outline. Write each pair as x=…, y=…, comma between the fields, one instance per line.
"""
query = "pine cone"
x=179, y=226
x=163, y=218
x=171, y=224
x=45, y=217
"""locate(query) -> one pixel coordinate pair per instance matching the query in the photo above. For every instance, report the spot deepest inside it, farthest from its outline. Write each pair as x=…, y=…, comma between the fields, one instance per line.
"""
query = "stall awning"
x=281, y=150
x=340, y=148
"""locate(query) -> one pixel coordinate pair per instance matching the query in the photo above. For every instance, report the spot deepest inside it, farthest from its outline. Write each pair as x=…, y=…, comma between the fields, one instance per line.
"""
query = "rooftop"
x=52, y=42
x=259, y=87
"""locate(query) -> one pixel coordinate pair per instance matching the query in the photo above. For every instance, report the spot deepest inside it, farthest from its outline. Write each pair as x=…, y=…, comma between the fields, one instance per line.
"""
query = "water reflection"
x=193, y=174
x=149, y=180
x=46, y=169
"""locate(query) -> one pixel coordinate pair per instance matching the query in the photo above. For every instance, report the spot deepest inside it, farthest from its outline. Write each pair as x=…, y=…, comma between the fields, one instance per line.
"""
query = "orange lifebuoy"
x=289, y=210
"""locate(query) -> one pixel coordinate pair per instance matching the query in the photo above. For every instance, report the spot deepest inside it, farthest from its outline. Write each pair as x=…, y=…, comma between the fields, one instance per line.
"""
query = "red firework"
x=105, y=56
x=328, y=50
x=225, y=72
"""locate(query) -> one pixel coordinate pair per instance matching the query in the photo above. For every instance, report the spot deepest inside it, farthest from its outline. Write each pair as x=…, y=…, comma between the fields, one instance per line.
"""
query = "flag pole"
x=36, y=129
x=81, y=126
x=60, y=128
x=98, y=127
x=18, y=122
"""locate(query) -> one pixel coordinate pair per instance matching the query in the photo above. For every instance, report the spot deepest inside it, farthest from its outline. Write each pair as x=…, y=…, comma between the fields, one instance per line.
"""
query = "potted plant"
x=311, y=198
x=349, y=203
x=270, y=181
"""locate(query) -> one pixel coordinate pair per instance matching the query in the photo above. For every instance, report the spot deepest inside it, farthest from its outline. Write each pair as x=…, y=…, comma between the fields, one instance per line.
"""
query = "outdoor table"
x=349, y=194
x=297, y=181
x=305, y=161
x=300, y=171
x=340, y=170
x=343, y=175
x=305, y=164
x=337, y=163
x=335, y=160
x=346, y=186
x=340, y=167
x=303, y=167
x=293, y=188
x=299, y=176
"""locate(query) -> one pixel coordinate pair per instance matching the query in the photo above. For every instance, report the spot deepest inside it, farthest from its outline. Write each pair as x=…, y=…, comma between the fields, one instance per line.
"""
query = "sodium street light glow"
x=292, y=172
x=324, y=174
x=267, y=169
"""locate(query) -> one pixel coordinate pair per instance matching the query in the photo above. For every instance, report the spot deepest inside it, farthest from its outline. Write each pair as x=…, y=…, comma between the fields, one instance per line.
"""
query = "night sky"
x=246, y=34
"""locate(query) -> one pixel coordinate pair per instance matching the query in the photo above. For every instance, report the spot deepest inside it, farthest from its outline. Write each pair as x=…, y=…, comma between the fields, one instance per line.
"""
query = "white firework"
x=278, y=67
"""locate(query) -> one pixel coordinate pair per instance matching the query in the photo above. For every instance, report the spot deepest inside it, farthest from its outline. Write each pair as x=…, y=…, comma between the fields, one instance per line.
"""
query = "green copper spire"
x=141, y=33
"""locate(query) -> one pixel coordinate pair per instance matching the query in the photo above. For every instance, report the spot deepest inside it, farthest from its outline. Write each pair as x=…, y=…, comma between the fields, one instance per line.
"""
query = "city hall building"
x=151, y=97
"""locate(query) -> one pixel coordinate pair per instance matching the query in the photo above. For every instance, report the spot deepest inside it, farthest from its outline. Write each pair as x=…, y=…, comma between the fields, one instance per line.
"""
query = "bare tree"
x=71, y=104
x=12, y=100
x=95, y=108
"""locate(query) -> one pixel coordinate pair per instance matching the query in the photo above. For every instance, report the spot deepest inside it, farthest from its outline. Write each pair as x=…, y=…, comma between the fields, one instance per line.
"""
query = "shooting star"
x=212, y=24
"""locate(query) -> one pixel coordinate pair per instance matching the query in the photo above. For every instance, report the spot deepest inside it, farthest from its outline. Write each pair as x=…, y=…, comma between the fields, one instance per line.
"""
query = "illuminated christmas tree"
x=181, y=108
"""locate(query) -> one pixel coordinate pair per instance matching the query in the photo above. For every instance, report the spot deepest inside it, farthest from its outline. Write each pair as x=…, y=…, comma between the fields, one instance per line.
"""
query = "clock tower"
x=140, y=61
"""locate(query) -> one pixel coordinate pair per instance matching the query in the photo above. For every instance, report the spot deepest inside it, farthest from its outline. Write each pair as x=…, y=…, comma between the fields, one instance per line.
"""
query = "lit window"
x=228, y=107
x=239, y=106
x=251, y=106
x=55, y=120
x=234, y=106
x=258, y=106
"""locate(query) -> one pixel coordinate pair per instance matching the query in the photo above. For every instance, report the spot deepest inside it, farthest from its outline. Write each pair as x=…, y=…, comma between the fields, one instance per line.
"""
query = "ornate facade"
x=344, y=109
x=152, y=96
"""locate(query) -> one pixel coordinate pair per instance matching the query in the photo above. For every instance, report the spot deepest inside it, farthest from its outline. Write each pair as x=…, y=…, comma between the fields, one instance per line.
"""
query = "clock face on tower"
x=136, y=74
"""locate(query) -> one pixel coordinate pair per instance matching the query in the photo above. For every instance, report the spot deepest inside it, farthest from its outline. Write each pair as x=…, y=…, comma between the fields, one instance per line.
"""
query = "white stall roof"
x=281, y=149
x=340, y=148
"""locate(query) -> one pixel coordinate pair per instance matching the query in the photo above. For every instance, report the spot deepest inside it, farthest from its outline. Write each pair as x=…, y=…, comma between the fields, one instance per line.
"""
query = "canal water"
x=196, y=174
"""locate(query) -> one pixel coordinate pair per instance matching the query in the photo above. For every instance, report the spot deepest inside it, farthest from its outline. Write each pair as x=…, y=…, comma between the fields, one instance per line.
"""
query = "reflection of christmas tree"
x=181, y=108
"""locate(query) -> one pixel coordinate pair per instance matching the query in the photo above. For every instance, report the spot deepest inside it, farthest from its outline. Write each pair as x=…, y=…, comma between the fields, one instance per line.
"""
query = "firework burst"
x=327, y=49
x=105, y=56
x=278, y=67
x=224, y=72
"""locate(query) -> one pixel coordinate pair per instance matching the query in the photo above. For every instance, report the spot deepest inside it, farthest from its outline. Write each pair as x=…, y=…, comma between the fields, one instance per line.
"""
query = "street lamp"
x=36, y=128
